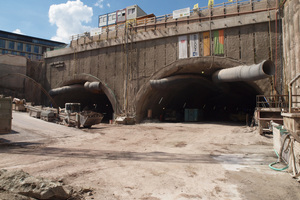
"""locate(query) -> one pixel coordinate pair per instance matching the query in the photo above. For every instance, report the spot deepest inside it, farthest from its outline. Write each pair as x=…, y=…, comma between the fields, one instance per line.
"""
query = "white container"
x=111, y=18
x=132, y=12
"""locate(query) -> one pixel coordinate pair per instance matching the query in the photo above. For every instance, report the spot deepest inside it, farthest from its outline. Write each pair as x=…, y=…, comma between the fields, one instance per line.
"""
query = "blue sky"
x=69, y=17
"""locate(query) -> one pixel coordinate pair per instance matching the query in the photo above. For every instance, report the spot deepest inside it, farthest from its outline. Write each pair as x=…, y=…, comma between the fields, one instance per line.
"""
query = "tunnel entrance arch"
x=89, y=91
x=189, y=87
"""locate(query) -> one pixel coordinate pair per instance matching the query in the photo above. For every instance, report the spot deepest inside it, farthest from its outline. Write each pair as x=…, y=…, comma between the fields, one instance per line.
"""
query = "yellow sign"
x=210, y=2
x=230, y=0
x=196, y=6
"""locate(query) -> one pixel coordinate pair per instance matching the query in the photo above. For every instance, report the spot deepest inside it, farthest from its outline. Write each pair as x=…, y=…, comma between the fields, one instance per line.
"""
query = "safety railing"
x=202, y=13
x=274, y=101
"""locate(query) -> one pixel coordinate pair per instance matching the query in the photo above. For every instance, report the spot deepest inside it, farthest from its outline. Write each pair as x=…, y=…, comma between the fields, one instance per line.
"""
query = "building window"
x=4, y=51
x=20, y=46
x=29, y=56
x=131, y=11
x=28, y=47
x=2, y=44
x=11, y=45
x=22, y=54
x=14, y=53
x=36, y=49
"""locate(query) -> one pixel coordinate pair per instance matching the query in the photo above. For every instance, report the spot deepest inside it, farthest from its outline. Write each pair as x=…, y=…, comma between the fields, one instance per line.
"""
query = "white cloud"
x=18, y=31
x=99, y=3
x=108, y=5
x=69, y=18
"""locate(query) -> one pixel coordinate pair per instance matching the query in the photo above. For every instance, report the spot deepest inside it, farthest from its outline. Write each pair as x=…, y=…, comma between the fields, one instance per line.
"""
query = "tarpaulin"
x=182, y=45
x=194, y=45
x=206, y=44
x=219, y=42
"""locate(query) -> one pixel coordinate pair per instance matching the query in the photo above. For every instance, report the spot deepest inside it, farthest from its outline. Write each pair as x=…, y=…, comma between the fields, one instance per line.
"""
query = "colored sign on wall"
x=96, y=31
x=206, y=44
x=219, y=42
x=182, y=44
x=194, y=45
x=185, y=12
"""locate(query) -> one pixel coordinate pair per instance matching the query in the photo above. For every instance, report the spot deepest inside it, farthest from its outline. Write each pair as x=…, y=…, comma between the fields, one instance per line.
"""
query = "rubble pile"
x=21, y=185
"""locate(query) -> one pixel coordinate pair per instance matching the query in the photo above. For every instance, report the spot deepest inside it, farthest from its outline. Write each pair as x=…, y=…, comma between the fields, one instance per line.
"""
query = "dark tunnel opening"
x=95, y=101
x=203, y=100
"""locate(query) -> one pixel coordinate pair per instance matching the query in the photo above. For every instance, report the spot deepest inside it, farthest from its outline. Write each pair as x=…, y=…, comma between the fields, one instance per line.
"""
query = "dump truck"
x=72, y=116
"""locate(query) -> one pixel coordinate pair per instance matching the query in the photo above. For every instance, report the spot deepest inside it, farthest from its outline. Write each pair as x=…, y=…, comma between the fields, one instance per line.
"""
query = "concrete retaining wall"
x=291, y=45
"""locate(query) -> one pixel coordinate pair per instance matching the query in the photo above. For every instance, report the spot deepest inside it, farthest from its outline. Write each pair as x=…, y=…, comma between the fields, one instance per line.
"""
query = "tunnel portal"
x=95, y=100
x=196, y=98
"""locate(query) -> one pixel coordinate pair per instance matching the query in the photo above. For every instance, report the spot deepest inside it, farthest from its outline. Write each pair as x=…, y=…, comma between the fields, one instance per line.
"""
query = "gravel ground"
x=153, y=161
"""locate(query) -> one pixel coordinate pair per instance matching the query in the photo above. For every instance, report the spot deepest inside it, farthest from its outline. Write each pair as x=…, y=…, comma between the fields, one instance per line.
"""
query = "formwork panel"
x=219, y=11
x=231, y=9
x=260, y=5
x=245, y=7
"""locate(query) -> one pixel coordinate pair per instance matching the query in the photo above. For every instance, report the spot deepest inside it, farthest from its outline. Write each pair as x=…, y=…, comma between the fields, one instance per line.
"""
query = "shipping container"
x=121, y=15
x=191, y=115
x=103, y=20
x=132, y=12
x=5, y=114
x=111, y=18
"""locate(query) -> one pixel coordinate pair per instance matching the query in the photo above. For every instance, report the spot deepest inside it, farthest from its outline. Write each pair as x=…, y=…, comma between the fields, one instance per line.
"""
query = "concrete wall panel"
x=247, y=53
x=261, y=44
x=233, y=43
x=160, y=53
x=171, y=50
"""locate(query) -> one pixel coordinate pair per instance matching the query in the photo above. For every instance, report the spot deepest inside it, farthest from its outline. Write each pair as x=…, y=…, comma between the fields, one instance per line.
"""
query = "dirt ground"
x=152, y=161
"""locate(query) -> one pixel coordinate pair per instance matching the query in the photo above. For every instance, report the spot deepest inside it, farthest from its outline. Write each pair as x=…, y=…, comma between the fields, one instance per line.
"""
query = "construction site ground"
x=150, y=161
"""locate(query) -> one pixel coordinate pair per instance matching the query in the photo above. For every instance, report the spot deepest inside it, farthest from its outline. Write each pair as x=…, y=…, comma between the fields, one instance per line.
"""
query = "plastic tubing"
x=273, y=163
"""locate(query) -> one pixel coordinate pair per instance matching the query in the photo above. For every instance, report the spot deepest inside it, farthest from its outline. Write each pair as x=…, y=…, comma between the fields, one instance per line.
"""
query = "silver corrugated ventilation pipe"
x=93, y=86
x=174, y=81
x=66, y=89
x=90, y=86
x=245, y=73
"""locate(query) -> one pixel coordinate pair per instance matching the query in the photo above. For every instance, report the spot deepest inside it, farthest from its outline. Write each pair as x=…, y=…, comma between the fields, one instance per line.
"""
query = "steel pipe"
x=245, y=73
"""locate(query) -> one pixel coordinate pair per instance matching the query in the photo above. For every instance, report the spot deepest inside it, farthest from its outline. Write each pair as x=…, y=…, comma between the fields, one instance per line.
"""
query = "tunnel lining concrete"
x=82, y=78
x=202, y=67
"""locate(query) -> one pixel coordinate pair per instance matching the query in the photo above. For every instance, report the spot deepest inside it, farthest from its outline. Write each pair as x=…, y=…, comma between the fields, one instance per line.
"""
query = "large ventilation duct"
x=94, y=87
x=66, y=89
x=245, y=73
x=174, y=81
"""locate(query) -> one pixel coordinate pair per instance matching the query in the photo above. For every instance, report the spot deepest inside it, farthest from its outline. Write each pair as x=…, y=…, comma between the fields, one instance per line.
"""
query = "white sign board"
x=194, y=45
x=182, y=45
x=185, y=12
x=96, y=31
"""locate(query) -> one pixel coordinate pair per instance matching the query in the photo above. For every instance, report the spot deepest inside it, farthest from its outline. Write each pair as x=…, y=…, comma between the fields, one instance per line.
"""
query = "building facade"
x=30, y=47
